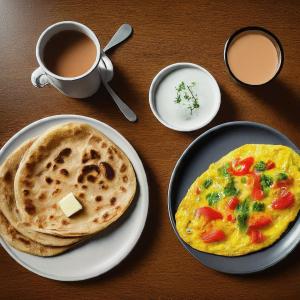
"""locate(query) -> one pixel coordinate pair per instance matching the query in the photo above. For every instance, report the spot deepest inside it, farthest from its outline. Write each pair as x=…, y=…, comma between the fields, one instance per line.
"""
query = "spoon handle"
x=123, y=107
x=121, y=35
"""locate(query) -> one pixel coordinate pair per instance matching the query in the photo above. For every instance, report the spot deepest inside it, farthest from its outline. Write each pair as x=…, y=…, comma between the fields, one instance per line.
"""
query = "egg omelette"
x=244, y=202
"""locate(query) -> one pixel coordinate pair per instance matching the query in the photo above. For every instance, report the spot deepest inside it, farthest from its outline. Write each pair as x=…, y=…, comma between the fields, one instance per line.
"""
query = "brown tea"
x=69, y=53
x=253, y=58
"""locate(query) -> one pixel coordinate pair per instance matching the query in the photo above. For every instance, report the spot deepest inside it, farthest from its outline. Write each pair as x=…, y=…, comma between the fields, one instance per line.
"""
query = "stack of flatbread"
x=71, y=158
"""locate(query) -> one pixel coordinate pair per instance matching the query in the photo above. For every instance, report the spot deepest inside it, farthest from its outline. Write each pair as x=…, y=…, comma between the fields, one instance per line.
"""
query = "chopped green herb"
x=266, y=181
x=282, y=176
x=180, y=87
x=260, y=166
x=213, y=198
x=186, y=96
x=243, y=207
x=243, y=214
x=196, y=104
x=242, y=221
x=243, y=180
x=223, y=171
x=230, y=189
x=207, y=183
x=178, y=99
x=258, y=206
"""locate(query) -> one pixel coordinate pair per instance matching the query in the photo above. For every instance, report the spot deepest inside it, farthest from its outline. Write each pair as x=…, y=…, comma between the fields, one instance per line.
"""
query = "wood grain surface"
x=165, y=32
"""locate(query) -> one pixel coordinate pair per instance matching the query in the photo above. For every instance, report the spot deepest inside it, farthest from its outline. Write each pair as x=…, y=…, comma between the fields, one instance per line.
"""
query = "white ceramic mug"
x=81, y=86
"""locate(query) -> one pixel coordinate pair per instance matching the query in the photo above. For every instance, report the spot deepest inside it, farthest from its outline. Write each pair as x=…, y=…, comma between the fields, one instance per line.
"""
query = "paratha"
x=73, y=157
x=8, y=204
x=20, y=242
x=243, y=203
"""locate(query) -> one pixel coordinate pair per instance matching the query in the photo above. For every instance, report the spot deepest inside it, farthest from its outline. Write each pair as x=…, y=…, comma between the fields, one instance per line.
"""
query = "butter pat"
x=69, y=205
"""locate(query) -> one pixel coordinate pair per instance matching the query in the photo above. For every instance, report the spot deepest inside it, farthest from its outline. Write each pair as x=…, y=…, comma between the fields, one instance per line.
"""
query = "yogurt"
x=177, y=116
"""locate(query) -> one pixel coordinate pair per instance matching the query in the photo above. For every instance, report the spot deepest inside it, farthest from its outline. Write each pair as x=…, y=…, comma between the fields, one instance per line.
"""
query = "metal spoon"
x=107, y=73
x=121, y=35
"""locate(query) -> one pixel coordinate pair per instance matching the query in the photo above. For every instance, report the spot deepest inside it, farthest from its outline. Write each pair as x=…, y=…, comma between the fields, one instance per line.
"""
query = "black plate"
x=207, y=148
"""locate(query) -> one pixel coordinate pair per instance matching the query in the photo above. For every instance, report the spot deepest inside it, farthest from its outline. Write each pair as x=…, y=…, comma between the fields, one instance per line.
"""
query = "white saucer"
x=106, y=250
x=162, y=95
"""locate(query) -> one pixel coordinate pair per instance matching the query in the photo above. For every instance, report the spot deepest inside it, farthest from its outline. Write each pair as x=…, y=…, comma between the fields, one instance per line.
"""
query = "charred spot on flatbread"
x=29, y=207
x=64, y=172
x=62, y=155
x=113, y=201
x=98, y=198
x=109, y=171
x=49, y=180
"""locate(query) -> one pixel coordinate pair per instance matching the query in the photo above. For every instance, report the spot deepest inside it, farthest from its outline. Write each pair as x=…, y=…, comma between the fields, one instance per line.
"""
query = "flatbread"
x=8, y=205
x=20, y=242
x=73, y=157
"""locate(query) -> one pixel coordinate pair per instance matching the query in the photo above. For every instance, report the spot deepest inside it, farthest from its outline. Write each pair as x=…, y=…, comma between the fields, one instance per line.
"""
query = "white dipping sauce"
x=175, y=114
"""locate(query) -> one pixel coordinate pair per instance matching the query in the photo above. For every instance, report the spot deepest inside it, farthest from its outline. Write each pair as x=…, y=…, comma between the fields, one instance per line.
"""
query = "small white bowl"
x=162, y=97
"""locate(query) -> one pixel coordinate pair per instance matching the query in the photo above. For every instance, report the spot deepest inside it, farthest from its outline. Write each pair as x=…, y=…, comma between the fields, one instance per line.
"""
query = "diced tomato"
x=231, y=218
x=284, y=183
x=213, y=236
x=256, y=236
x=241, y=167
x=286, y=200
x=270, y=165
x=233, y=203
x=282, y=192
x=257, y=222
x=209, y=213
x=257, y=192
x=197, y=190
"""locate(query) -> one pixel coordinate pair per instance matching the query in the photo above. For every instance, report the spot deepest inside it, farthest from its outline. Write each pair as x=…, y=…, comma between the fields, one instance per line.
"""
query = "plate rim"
x=119, y=259
x=171, y=183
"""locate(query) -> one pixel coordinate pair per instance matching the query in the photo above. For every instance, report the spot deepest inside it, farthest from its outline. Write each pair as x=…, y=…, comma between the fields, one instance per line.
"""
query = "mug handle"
x=39, y=78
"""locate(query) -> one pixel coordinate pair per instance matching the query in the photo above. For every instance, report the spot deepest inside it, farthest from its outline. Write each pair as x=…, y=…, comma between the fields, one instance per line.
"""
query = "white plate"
x=105, y=251
x=162, y=95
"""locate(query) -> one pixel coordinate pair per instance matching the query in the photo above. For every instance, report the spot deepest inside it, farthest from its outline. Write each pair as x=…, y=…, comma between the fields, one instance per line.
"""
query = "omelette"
x=243, y=203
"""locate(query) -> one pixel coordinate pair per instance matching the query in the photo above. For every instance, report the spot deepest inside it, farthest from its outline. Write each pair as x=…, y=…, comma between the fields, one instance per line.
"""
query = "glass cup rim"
x=86, y=30
x=267, y=33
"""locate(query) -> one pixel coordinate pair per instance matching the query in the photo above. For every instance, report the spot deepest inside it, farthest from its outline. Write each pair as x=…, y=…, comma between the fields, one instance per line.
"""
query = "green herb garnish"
x=242, y=221
x=260, y=166
x=186, y=96
x=266, y=181
x=282, y=176
x=243, y=180
x=223, y=171
x=258, y=206
x=181, y=87
x=207, y=183
x=230, y=189
x=213, y=198
x=243, y=214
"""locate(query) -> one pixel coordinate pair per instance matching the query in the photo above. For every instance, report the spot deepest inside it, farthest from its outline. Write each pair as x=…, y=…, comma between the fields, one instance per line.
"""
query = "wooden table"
x=165, y=32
